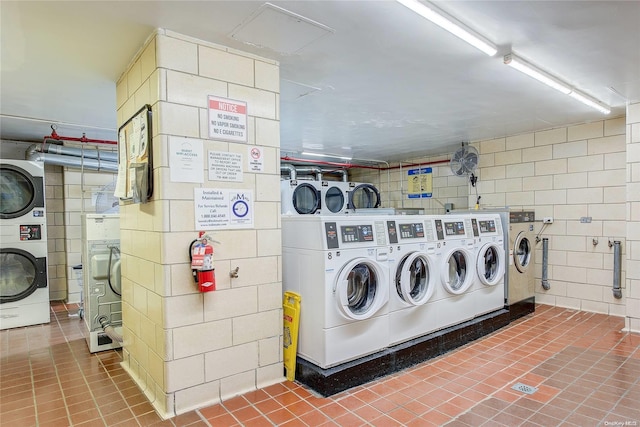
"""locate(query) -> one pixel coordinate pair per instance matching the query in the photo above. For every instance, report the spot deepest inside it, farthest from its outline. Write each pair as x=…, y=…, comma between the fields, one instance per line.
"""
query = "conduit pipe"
x=54, y=135
x=286, y=167
x=70, y=161
x=545, y=264
x=109, y=156
x=617, y=269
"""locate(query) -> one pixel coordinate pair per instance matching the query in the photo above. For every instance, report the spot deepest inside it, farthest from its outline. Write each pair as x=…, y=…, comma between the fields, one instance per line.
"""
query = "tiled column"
x=633, y=218
x=183, y=348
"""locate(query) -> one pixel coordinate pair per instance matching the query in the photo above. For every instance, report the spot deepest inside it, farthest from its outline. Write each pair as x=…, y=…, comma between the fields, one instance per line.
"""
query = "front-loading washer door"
x=361, y=289
x=20, y=274
x=457, y=271
x=522, y=251
x=414, y=279
x=364, y=196
x=491, y=264
x=306, y=199
x=19, y=192
x=334, y=199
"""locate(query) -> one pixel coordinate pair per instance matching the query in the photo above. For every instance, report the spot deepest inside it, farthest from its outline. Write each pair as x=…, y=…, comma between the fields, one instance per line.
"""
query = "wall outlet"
x=547, y=220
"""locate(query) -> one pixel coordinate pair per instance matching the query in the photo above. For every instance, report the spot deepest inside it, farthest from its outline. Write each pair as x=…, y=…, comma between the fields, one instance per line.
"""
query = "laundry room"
x=454, y=222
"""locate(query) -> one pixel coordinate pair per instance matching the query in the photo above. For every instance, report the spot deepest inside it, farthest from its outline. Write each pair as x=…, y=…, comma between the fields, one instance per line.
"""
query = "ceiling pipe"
x=54, y=135
x=352, y=166
x=109, y=156
x=35, y=155
x=287, y=167
x=310, y=170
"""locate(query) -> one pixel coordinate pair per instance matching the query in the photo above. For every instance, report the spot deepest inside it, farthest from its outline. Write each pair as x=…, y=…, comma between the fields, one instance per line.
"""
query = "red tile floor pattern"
x=586, y=370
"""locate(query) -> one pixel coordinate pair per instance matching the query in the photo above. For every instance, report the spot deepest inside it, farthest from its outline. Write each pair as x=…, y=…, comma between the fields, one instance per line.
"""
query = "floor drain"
x=524, y=388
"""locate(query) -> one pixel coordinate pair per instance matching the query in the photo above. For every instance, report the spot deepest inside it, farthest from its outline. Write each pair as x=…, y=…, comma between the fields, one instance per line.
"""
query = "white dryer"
x=24, y=295
x=488, y=290
x=413, y=277
x=339, y=266
x=21, y=192
x=299, y=197
x=457, y=270
x=363, y=195
x=335, y=197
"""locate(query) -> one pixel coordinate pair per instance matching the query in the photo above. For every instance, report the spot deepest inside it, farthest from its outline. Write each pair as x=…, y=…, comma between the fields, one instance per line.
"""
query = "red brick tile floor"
x=586, y=371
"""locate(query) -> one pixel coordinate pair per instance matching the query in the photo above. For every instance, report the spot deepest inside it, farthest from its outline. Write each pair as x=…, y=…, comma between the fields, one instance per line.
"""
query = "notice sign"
x=227, y=119
x=420, y=183
x=225, y=166
x=217, y=209
x=256, y=160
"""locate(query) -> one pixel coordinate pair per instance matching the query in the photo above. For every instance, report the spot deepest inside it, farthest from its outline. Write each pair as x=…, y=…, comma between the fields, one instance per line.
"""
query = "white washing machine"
x=24, y=292
x=488, y=290
x=102, y=295
x=414, y=277
x=22, y=198
x=456, y=251
x=300, y=197
x=339, y=266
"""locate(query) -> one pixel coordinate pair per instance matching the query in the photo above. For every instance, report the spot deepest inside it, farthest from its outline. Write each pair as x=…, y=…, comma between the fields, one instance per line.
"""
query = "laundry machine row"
x=304, y=197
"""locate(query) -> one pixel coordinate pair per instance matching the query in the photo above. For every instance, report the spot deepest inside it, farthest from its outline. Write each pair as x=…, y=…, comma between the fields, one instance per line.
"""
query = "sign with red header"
x=227, y=119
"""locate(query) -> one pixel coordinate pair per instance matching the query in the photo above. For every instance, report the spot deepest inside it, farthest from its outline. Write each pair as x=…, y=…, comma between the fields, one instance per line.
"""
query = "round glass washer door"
x=491, y=264
x=364, y=196
x=306, y=199
x=334, y=199
x=20, y=274
x=17, y=192
x=457, y=271
x=361, y=289
x=522, y=250
x=414, y=279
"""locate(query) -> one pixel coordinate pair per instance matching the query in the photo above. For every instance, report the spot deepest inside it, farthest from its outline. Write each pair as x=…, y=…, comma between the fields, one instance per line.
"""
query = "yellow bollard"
x=291, y=308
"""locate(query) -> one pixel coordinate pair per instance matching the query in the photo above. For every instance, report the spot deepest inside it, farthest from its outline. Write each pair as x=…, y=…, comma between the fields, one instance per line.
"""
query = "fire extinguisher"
x=201, y=256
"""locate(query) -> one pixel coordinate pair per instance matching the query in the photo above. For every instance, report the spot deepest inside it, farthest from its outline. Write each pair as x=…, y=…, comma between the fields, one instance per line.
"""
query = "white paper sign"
x=225, y=166
x=217, y=209
x=227, y=119
x=255, y=159
x=186, y=162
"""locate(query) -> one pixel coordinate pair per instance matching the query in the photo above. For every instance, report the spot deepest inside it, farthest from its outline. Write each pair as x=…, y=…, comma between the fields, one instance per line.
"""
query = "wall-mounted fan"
x=464, y=161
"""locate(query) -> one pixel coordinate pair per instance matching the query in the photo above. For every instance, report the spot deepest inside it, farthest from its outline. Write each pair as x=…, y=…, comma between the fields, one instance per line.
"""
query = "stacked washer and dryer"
x=24, y=292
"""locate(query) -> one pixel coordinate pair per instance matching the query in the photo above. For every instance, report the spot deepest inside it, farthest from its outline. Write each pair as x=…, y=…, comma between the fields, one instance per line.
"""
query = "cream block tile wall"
x=632, y=291
x=568, y=173
x=392, y=183
x=184, y=348
x=57, y=261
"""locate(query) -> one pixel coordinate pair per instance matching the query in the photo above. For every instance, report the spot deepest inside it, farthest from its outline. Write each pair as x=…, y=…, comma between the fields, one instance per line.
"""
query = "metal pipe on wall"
x=545, y=264
x=617, y=269
x=71, y=161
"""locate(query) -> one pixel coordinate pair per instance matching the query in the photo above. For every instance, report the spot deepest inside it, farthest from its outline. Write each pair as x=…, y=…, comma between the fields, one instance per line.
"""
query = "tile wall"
x=633, y=218
x=183, y=348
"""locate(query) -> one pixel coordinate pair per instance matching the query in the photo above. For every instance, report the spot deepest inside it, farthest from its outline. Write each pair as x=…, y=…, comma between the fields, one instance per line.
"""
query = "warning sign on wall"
x=256, y=159
x=227, y=119
x=420, y=183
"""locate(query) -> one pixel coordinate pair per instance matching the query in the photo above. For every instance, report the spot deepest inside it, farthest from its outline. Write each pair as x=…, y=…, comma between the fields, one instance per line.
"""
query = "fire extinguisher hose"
x=193, y=272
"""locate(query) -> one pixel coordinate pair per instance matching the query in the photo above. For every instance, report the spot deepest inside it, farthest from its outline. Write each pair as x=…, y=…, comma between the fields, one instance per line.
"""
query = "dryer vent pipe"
x=58, y=155
x=617, y=269
x=293, y=172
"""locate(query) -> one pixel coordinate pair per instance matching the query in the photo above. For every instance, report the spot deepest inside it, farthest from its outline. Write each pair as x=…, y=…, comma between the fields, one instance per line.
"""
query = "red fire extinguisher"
x=201, y=256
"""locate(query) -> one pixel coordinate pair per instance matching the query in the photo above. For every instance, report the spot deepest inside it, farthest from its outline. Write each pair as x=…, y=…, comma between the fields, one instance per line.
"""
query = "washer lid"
x=457, y=271
x=20, y=274
x=361, y=289
x=19, y=192
x=414, y=279
x=306, y=199
x=490, y=264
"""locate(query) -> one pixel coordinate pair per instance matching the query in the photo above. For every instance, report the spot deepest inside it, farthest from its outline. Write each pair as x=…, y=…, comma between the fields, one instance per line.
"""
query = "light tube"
x=591, y=103
x=450, y=24
x=531, y=71
x=304, y=153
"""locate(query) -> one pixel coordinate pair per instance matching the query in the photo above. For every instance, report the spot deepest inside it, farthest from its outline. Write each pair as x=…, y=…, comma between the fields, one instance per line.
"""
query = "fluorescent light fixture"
x=455, y=27
x=531, y=71
x=590, y=102
x=304, y=153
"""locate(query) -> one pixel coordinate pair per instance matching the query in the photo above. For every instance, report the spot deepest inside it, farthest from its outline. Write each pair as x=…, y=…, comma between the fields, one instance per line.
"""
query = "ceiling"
x=382, y=83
